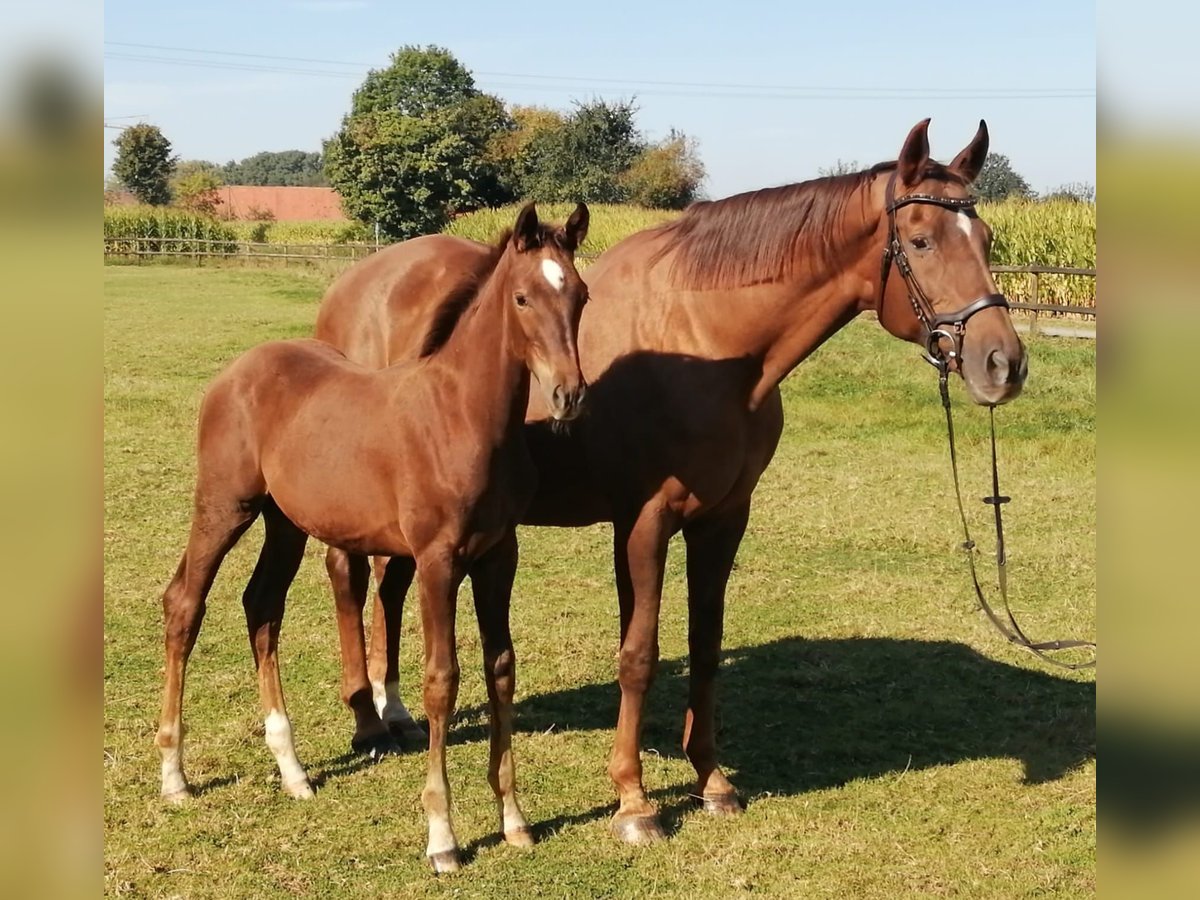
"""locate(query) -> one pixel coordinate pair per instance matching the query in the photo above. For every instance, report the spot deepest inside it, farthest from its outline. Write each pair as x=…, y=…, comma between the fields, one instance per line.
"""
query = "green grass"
x=888, y=741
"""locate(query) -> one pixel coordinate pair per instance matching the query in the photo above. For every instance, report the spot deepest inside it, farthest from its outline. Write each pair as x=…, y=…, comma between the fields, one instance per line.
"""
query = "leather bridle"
x=935, y=326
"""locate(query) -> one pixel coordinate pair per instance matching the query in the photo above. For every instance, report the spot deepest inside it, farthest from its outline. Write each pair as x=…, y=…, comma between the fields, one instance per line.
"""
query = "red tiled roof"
x=288, y=204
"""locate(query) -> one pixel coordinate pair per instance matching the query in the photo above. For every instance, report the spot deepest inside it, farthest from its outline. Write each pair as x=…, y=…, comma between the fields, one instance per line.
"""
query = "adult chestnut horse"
x=425, y=460
x=690, y=329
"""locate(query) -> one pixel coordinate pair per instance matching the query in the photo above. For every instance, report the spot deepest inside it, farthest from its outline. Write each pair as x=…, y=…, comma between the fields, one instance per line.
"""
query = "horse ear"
x=914, y=154
x=574, y=232
x=969, y=163
x=527, y=231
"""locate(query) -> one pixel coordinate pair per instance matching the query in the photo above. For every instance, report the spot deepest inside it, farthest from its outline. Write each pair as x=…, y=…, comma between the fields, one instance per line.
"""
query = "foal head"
x=547, y=297
x=947, y=246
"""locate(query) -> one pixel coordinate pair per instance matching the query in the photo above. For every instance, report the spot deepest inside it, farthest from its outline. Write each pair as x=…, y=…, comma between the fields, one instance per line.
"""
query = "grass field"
x=889, y=743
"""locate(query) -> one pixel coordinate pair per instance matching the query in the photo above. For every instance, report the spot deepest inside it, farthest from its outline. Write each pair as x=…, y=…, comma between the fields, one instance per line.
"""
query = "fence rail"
x=199, y=249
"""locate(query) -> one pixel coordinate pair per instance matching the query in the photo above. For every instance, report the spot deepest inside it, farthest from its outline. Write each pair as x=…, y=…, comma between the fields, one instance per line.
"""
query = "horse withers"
x=424, y=459
x=691, y=327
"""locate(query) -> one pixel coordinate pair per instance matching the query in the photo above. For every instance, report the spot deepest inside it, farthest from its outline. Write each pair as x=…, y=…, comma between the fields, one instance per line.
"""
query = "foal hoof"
x=638, y=829
x=177, y=797
x=375, y=745
x=444, y=861
x=722, y=804
x=408, y=733
x=519, y=837
x=300, y=790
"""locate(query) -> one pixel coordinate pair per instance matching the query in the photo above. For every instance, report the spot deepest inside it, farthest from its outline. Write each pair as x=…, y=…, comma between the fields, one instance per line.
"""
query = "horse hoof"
x=408, y=733
x=301, y=790
x=722, y=804
x=519, y=837
x=375, y=745
x=445, y=861
x=177, y=797
x=637, y=829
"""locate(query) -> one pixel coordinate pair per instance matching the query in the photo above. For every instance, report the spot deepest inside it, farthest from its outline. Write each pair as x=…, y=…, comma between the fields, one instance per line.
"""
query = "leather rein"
x=952, y=327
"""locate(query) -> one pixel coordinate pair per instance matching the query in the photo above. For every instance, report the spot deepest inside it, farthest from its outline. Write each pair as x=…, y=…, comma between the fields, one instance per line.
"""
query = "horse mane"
x=462, y=296
x=760, y=236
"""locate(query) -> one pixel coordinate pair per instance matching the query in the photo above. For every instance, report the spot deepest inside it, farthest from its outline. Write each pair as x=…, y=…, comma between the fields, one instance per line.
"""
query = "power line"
x=883, y=92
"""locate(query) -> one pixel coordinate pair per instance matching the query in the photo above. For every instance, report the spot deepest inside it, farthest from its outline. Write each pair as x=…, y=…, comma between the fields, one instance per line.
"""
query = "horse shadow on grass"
x=799, y=715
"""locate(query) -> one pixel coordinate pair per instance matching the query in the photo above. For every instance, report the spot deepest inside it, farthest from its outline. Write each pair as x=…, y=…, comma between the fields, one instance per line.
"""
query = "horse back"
x=380, y=309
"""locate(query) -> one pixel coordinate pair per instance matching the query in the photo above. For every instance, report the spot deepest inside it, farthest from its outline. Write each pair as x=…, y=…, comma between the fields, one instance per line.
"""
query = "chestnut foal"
x=424, y=459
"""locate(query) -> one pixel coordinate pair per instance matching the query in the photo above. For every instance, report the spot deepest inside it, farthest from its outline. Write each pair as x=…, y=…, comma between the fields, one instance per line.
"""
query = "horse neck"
x=481, y=359
x=777, y=325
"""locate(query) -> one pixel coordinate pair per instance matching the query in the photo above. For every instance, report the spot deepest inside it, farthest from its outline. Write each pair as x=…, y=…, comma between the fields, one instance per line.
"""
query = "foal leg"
x=492, y=580
x=439, y=582
x=711, y=547
x=640, y=556
x=393, y=576
x=216, y=527
x=349, y=574
x=263, y=601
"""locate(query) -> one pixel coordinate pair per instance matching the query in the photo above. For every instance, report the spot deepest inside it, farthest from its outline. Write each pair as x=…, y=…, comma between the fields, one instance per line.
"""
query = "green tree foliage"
x=286, y=167
x=196, y=187
x=1075, y=191
x=999, y=181
x=144, y=163
x=416, y=147
x=667, y=175
x=584, y=158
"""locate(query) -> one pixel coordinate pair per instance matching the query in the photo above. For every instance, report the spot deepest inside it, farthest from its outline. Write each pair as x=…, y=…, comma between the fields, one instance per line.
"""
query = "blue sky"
x=870, y=70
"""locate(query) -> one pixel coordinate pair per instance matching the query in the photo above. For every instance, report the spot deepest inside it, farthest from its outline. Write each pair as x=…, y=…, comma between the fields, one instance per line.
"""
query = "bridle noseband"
x=935, y=325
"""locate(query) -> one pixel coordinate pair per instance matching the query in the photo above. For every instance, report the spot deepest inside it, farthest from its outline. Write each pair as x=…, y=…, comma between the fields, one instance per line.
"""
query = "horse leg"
x=439, y=580
x=640, y=555
x=712, y=545
x=349, y=575
x=492, y=581
x=263, y=601
x=393, y=577
x=216, y=527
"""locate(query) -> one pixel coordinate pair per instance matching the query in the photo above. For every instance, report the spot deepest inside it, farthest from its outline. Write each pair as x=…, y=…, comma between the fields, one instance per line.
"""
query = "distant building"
x=284, y=204
x=252, y=202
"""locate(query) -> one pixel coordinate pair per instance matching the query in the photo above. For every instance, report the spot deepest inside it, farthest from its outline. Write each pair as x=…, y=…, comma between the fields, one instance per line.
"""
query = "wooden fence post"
x=1033, y=290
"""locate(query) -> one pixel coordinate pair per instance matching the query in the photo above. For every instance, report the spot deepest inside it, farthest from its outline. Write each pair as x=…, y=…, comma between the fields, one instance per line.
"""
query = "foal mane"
x=761, y=236
x=463, y=295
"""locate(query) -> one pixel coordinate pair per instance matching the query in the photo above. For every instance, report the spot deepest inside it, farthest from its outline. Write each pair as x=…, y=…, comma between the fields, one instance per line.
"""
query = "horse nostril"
x=560, y=396
x=998, y=367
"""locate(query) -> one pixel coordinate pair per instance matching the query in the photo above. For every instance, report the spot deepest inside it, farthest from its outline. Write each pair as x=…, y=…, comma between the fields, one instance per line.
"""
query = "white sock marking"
x=279, y=740
x=554, y=274
x=387, y=702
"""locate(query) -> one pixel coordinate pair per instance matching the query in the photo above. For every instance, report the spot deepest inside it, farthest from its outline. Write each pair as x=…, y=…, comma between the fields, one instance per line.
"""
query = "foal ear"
x=527, y=232
x=969, y=163
x=575, y=230
x=914, y=154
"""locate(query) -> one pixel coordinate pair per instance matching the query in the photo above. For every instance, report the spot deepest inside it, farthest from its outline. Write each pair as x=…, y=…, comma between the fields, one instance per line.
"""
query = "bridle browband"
x=935, y=326
x=933, y=323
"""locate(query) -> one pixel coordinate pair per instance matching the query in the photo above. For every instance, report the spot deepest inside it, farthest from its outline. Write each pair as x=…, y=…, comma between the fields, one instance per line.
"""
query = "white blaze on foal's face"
x=554, y=274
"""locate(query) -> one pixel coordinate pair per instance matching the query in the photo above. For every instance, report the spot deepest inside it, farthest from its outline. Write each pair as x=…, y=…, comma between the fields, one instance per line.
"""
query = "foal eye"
x=521, y=301
x=920, y=243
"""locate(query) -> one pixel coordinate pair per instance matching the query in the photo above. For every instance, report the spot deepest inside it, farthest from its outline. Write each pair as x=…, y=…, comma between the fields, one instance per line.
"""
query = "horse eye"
x=920, y=243
x=521, y=301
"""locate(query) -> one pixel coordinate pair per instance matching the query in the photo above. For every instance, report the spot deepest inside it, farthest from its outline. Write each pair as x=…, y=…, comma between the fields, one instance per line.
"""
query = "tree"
x=665, y=176
x=1075, y=192
x=197, y=189
x=584, y=158
x=841, y=167
x=285, y=167
x=144, y=163
x=415, y=147
x=999, y=181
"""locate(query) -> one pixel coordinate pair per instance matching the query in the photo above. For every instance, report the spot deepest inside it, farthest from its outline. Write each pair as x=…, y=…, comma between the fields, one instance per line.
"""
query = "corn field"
x=130, y=229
